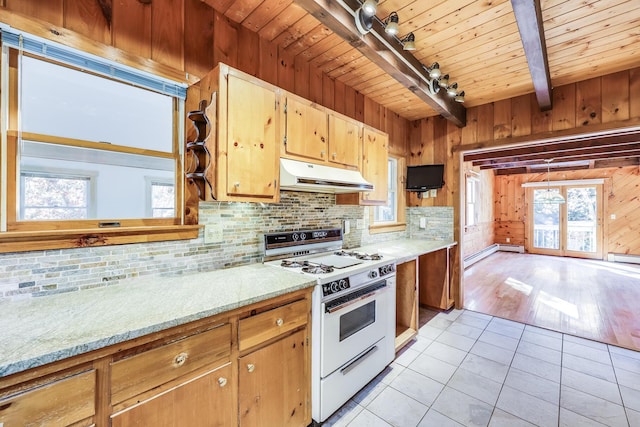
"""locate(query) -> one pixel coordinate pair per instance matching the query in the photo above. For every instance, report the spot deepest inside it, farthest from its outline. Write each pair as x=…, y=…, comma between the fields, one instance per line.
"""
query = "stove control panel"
x=335, y=286
x=387, y=269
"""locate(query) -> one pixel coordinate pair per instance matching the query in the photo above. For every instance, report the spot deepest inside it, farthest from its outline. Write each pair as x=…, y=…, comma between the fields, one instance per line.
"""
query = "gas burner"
x=344, y=253
x=317, y=269
x=372, y=257
x=288, y=263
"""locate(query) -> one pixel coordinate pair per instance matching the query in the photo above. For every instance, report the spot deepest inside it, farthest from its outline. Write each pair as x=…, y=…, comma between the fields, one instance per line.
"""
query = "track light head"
x=452, y=90
x=369, y=7
x=391, y=24
x=364, y=22
x=459, y=97
x=409, y=42
x=434, y=70
x=443, y=81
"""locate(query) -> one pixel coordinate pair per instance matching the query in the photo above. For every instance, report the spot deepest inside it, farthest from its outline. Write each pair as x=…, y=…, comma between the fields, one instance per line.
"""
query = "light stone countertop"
x=41, y=330
x=405, y=249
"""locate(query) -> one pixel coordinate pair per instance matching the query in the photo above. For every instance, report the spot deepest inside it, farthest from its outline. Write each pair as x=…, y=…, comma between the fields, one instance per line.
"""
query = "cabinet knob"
x=180, y=359
x=279, y=322
x=322, y=154
x=251, y=367
x=334, y=155
x=222, y=381
x=237, y=184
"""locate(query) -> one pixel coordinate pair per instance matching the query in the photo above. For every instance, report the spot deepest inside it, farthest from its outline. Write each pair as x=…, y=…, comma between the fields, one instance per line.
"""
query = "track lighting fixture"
x=443, y=81
x=408, y=42
x=365, y=15
x=369, y=7
x=434, y=70
x=452, y=90
x=459, y=97
x=391, y=24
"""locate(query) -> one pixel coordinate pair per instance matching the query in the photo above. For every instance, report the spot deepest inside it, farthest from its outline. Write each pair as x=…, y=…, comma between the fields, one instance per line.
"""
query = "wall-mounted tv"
x=424, y=177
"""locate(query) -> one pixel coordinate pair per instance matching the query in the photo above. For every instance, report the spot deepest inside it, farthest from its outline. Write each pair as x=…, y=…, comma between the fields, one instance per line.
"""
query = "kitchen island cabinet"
x=189, y=374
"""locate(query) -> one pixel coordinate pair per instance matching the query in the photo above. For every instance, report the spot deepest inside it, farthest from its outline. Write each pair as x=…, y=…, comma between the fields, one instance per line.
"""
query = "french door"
x=571, y=229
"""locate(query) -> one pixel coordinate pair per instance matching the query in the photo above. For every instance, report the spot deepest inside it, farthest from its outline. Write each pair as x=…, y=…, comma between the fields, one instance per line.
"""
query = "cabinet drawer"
x=145, y=371
x=264, y=326
x=62, y=402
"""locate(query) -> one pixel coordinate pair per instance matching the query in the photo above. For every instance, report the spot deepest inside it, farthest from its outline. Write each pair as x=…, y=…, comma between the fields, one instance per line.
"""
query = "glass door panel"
x=546, y=222
x=582, y=219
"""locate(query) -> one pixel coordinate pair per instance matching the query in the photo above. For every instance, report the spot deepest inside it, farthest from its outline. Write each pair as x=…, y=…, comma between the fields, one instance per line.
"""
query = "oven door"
x=353, y=323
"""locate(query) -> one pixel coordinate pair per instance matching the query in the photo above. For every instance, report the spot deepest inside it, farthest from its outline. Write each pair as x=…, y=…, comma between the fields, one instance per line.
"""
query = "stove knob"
x=335, y=287
x=373, y=274
x=343, y=284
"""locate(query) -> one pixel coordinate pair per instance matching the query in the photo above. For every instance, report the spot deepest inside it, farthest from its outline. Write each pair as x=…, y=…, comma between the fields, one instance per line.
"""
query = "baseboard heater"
x=473, y=258
x=633, y=259
x=511, y=248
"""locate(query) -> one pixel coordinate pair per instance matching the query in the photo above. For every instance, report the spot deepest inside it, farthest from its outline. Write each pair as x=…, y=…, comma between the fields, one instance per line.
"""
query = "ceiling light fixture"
x=434, y=70
x=459, y=97
x=452, y=89
x=408, y=42
x=365, y=15
x=443, y=81
x=548, y=197
x=391, y=24
x=369, y=7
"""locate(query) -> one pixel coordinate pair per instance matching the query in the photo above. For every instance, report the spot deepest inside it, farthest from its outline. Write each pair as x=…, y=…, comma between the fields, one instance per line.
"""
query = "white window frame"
x=472, y=198
x=149, y=183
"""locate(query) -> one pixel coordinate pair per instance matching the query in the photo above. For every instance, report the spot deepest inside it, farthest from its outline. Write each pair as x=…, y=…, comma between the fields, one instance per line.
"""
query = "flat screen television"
x=424, y=177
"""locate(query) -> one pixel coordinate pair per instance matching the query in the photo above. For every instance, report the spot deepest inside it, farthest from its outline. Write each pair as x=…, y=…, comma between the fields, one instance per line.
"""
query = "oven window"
x=357, y=319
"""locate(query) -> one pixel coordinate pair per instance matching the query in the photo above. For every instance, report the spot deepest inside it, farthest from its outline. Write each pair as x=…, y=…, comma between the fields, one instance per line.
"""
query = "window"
x=105, y=135
x=389, y=213
x=391, y=217
x=472, y=211
x=54, y=196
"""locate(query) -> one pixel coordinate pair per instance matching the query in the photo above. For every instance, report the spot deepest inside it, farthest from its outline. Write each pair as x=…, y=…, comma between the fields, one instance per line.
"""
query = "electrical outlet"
x=347, y=227
x=360, y=224
x=213, y=233
x=423, y=222
x=613, y=216
x=508, y=239
x=434, y=192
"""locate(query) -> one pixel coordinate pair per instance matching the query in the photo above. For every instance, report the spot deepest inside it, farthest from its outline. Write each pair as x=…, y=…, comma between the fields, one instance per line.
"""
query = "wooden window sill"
x=387, y=228
x=23, y=241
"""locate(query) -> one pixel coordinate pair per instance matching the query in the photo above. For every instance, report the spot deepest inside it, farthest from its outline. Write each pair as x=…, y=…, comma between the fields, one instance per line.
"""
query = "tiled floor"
x=471, y=369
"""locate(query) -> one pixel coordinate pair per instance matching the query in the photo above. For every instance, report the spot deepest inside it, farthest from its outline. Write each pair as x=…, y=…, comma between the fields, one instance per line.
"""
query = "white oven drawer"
x=344, y=333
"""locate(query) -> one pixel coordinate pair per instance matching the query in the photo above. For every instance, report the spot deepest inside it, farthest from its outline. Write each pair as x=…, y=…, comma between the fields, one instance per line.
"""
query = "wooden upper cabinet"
x=375, y=145
x=243, y=124
x=251, y=140
x=344, y=141
x=306, y=132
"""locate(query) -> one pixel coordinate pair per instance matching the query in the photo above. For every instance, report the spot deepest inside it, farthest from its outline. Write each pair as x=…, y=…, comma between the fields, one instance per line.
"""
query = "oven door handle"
x=359, y=360
x=350, y=302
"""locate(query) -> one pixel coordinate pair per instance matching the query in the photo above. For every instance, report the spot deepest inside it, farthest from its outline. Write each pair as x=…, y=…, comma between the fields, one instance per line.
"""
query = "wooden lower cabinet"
x=406, y=302
x=205, y=401
x=273, y=384
x=435, y=279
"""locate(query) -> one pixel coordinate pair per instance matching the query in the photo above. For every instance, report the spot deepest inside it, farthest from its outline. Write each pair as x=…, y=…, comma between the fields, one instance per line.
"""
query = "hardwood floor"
x=591, y=299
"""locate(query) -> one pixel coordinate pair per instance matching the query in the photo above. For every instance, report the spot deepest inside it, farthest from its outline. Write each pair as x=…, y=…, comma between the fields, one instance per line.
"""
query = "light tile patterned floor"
x=470, y=369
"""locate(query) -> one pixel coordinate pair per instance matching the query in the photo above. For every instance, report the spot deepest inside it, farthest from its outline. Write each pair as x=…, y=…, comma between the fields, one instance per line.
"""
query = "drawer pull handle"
x=180, y=359
x=279, y=322
x=222, y=381
x=251, y=367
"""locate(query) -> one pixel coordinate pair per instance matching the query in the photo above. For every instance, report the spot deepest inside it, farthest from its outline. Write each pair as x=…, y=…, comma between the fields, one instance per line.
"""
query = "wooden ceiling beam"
x=529, y=19
x=386, y=52
x=597, y=164
x=585, y=157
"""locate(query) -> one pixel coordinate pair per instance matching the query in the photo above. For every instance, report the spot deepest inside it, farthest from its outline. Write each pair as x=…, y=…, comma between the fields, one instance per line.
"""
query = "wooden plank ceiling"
x=476, y=42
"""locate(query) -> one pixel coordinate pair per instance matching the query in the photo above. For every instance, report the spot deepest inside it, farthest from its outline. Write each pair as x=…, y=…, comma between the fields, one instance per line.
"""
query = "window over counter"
x=97, y=146
x=391, y=217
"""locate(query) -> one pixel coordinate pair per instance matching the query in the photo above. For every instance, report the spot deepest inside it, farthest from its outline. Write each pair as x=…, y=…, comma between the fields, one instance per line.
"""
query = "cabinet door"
x=206, y=400
x=306, y=130
x=274, y=384
x=252, y=150
x=344, y=141
x=374, y=165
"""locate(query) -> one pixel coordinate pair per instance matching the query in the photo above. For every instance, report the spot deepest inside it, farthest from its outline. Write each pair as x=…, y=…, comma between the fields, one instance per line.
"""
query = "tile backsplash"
x=48, y=272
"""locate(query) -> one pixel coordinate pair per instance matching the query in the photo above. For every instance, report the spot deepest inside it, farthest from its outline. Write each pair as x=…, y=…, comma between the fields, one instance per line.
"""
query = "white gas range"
x=353, y=312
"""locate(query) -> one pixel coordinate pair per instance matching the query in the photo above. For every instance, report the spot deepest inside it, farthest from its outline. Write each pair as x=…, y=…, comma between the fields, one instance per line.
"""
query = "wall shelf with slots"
x=198, y=157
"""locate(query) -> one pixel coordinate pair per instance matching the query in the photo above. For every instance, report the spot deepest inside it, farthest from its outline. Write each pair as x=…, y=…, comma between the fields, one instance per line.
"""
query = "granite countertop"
x=41, y=330
x=405, y=249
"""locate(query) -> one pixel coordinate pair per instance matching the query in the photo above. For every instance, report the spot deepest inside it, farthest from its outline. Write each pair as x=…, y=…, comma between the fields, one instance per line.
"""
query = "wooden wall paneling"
x=564, y=107
x=50, y=11
x=615, y=97
x=339, y=93
x=301, y=76
x=131, y=27
x=359, y=107
x=286, y=70
x=589, y=102
x=87, y=18
x=520, y=116
x=328, y=91
x=225, y=41
x=541, y=121
x=371, y=112
x=349, y=100
x=248, y=55
x=502, y=119
x=399, y=128
x=268, y=61
x=441, y=154
x=485, y=123
x=198, y=38
x=470, y=131
x=167, y=33
x=315, y=84
x=634, y=93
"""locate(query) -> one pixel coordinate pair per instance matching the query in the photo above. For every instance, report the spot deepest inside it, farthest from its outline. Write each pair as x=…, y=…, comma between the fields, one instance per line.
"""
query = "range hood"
x=310, y=177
